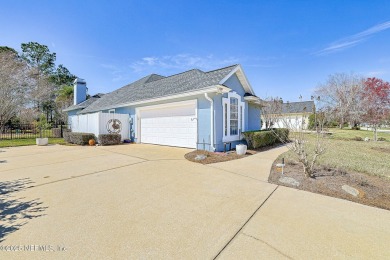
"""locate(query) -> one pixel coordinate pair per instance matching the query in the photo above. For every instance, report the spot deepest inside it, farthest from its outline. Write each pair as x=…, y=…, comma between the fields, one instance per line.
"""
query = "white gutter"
x=214, y=88
x=211, y=121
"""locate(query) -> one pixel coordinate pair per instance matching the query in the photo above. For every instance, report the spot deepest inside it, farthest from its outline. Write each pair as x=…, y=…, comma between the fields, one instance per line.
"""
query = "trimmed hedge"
x=262, y=138
x=109, y=139
x=78, y=138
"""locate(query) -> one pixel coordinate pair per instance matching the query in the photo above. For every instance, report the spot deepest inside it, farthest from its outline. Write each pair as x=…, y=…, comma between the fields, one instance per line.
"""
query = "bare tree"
x=14, y=85
x=271, y=109
x=302, y=143
x=28, y=115
x=342, y=94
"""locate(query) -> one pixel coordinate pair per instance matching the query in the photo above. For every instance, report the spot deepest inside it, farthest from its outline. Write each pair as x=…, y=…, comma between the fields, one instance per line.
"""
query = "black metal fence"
x=27, y=131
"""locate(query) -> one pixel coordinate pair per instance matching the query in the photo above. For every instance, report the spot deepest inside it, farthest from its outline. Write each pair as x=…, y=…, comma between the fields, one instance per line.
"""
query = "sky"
x=286, y=48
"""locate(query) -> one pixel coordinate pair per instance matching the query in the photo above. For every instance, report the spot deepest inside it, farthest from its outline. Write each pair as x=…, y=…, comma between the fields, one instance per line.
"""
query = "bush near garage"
x=109, y=139
x=263, y=138
x=78, y=138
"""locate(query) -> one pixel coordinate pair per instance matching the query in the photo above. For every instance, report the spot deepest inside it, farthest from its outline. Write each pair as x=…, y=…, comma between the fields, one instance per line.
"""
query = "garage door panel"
x=172, y=130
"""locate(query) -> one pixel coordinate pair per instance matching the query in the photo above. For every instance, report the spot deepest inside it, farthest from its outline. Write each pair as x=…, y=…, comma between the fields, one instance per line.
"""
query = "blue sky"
x=285, y=47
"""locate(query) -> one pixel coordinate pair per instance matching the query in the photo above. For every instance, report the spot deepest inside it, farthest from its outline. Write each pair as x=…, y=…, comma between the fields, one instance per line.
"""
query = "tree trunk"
x=341, y=123
x=308, y=172
x=375, y=134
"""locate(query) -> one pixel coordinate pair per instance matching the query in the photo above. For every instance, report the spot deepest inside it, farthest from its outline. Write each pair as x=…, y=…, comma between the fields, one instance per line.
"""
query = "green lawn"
x=350, y=134
x=30, y=141
x=365, y=157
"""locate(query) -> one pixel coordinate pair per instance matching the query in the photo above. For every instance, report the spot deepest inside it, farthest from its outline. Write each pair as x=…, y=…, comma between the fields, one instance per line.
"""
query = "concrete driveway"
x=145, y=201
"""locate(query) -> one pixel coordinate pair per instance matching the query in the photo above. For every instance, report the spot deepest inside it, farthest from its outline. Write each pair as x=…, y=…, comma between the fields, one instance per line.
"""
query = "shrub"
x=312, y=123
x=56, y=132
x=381, y=139
x=257, y=139
x=357, y=138
x=109, y=139
x=78, y=138
x=282, y=134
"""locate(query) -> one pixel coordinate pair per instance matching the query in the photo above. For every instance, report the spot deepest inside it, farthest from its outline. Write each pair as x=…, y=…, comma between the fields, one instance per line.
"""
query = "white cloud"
x=181, y=62
x=353, y=40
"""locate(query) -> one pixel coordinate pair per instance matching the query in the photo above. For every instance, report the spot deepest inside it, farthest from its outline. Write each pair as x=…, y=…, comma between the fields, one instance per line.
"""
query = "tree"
x=63, y=81
x=8, y=49
x=64, y=99
x=62, y=76
x=376, y=101
x=42, y=64
x=342, y=95
x=39, y=56
x=14, y=85
x=271, y=109
x=301, y=143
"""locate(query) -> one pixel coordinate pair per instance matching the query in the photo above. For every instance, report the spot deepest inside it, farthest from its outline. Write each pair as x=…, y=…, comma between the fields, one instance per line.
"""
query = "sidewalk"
x=295, y=224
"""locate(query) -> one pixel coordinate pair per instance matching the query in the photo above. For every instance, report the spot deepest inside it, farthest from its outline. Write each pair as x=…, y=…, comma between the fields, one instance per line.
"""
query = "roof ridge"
x=234, y=65
x=168, y=77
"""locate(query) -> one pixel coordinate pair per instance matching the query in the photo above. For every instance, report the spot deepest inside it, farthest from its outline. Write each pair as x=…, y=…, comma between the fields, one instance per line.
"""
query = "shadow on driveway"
x=15, y=212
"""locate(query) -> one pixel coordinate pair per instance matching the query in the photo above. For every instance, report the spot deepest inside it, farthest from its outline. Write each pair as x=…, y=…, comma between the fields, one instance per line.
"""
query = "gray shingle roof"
x=298, y=107
x=156, y=86
x=84, y=104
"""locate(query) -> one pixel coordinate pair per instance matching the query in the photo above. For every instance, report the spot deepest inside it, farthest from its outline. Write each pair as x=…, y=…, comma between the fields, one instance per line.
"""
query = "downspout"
x=211, y=121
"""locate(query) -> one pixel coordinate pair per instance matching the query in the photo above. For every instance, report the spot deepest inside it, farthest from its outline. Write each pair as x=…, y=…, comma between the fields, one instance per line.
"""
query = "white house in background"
x=194, y=109
x=295, y=114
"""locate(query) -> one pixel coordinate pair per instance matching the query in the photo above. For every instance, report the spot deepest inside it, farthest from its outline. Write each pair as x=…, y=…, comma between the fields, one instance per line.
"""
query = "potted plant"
x=42, y=141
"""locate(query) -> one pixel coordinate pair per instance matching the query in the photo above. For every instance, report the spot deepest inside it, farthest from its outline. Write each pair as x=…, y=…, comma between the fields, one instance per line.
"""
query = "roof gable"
x=241, y=77
x=156, y=86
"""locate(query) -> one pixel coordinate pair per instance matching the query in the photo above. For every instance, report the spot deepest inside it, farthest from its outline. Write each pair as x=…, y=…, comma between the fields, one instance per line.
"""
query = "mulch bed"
x=215, y=157
x=373, y=190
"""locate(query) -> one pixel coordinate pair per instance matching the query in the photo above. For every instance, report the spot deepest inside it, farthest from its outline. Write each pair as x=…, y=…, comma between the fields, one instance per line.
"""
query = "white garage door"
x=174, y=124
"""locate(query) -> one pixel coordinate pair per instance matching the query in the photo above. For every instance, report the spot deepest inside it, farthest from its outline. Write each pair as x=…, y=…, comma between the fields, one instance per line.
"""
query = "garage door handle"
x=194, y=118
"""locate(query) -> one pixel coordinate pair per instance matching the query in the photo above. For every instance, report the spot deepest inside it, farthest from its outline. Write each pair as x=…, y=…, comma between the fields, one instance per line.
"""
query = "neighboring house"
x=294, y=115
x=192, y=109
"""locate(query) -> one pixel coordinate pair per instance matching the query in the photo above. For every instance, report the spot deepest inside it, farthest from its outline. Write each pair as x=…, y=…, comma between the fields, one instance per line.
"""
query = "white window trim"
x=111, y=111
x=241, y=117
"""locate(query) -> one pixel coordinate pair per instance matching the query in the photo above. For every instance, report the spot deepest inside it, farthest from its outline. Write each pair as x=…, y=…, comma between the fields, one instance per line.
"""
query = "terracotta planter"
x=91, y=142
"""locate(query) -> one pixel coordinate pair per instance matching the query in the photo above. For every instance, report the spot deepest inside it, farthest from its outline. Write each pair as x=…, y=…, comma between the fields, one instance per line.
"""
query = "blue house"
x=194, y=109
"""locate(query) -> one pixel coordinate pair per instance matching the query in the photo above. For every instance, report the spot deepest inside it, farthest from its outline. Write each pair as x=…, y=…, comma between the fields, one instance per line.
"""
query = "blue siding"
x=80, y=94
x=254, y=118
x=204, y=123
x=218, y=112
x=234, y=84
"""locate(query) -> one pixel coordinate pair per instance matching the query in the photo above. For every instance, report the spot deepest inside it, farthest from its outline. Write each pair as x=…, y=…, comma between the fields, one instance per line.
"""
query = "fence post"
x=61, y=131
x=11, y=131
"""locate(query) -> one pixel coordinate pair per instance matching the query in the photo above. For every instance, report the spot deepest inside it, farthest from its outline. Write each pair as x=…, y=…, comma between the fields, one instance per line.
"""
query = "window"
x=241, y=119
x=233, y=117
x=226, y=123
